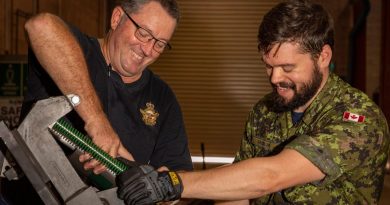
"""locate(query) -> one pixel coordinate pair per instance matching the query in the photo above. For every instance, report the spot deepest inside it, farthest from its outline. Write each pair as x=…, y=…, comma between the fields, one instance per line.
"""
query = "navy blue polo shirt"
x=145, y=114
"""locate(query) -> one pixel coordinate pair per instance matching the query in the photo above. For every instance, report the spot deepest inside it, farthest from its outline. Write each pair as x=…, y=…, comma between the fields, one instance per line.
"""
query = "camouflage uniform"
x=352, y=155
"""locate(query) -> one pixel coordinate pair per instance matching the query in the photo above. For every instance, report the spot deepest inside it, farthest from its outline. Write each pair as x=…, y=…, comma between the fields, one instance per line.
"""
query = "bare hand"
x=103, y=136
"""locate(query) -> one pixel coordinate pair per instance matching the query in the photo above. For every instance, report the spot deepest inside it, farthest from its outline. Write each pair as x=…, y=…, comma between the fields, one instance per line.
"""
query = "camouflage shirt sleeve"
x=247, y=150
x=337, y=146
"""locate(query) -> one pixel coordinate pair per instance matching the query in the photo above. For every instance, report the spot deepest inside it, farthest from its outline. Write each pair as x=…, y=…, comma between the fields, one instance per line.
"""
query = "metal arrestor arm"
x=44, y=162
x=28, y=164
x=34, y=132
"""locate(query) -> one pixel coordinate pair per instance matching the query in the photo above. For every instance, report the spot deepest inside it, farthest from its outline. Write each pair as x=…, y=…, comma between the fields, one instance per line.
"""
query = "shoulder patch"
x=348, y=116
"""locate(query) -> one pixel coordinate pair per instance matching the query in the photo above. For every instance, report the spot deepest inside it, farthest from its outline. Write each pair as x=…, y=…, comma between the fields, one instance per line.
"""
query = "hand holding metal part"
x=67, y=133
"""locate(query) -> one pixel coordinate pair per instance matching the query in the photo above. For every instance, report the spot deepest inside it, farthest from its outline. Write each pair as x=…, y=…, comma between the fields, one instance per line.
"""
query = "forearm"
x=251, y=178
x=60, y=55
x=239, y=181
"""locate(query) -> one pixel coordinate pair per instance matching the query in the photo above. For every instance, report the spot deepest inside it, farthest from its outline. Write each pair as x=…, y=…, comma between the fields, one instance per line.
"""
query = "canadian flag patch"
x=348, y=116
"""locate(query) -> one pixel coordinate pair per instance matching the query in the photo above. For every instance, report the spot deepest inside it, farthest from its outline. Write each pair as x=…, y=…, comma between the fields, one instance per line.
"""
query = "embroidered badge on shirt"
x=149, y=115
x=347, y=116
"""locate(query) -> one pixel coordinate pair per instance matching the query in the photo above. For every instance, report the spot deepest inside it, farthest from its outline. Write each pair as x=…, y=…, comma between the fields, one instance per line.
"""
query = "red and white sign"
x=347, y=116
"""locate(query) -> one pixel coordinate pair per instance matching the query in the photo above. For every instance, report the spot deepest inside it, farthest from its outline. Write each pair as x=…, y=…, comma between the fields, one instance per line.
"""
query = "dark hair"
x=132, y=6
x=300, y=21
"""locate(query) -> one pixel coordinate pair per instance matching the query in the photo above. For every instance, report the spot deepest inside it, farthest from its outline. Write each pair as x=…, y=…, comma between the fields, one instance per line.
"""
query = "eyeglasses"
x=144, y=35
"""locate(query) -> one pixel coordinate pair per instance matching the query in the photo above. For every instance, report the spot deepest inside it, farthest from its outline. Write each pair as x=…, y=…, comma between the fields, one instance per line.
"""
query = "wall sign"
x=13, y=70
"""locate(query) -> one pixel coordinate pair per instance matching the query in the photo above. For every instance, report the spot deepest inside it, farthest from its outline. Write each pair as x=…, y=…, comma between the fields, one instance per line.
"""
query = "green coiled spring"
x=85, y=144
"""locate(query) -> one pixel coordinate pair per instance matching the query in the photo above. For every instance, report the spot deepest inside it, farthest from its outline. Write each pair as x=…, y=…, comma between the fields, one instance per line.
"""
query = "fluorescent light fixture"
x=217, y=160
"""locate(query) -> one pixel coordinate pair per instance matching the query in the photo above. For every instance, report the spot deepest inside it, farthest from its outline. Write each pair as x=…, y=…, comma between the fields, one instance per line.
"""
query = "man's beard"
x=279, y=104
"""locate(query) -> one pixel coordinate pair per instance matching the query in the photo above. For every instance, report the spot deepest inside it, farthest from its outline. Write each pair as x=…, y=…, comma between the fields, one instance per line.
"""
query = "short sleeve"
x=338, y=145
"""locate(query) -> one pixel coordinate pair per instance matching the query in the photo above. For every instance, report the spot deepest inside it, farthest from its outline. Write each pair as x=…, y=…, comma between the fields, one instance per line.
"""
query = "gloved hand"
x=142, y=184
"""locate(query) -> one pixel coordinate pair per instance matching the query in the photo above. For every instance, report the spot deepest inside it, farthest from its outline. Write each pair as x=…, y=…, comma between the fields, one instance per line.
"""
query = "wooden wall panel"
x=88, y=15
x=385, y=74
x=91, y=17
x=373, y=52
x=22, y=10
x=3, y=28
x=51, y=6
x=342, y=14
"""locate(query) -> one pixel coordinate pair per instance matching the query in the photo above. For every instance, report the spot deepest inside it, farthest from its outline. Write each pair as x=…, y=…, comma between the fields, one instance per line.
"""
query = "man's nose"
x=276, y=75
x=147, y=47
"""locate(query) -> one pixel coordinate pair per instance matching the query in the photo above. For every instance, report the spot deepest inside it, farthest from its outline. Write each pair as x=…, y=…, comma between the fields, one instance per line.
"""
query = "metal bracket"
x=44, y=162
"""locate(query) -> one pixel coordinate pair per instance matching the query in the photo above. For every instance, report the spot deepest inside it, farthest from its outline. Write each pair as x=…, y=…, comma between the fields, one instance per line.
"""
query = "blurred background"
x=214, y=67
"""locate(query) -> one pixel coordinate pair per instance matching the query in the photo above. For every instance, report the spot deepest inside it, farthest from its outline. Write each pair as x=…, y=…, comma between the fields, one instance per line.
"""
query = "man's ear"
x=325, y=56
x=116, y=17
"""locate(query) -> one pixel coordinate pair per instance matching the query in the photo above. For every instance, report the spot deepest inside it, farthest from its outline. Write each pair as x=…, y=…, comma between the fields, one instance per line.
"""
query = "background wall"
x=88, y=15
x=216, y=71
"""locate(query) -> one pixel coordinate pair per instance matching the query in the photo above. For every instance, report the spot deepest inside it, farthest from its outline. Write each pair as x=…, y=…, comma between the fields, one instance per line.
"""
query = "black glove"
x=142, y=184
